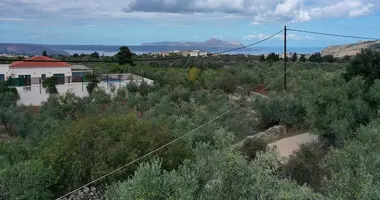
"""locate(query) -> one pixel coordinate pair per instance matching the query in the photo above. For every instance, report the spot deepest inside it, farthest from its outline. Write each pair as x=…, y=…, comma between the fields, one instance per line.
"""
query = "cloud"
x=11, y=19
x=290, y=36
x=296, y=11
x=259, y=11
x=310, y=37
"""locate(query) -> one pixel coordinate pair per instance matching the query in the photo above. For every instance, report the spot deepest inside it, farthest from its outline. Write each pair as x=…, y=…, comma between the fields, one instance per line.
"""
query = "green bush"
x=50, y=85
x=29, y=180
x=144, y=89
x=93, y=82
x=6, y=89
x=286, y=110
x=365, y=64
x=351, y=172
x=132, y=87
x=304, y=165
x=93, y=146
x=336, y=112
x=14, y=150
x=180, y=93
x=251, y=147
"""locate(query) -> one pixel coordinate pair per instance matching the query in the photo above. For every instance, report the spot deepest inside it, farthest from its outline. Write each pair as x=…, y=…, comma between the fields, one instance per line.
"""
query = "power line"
x=258, y=42
x=332, y=34
x=147, y=59
x=171, y=142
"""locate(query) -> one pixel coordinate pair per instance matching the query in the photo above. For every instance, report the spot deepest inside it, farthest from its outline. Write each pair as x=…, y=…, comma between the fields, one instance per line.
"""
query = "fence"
x=29, y=85
x=108, y=78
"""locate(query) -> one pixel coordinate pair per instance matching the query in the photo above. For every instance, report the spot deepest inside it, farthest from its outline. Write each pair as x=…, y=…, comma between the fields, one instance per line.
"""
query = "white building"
x=194, y=53
x=4, y=71
x=32, y=69
x=29, y=74
x=204, y=54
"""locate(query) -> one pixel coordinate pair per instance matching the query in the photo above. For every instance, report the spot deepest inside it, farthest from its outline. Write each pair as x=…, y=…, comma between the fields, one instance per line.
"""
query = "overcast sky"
x=132, y=22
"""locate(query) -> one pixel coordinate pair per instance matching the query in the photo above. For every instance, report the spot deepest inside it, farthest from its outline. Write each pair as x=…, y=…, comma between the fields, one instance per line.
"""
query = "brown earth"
x=285, y=147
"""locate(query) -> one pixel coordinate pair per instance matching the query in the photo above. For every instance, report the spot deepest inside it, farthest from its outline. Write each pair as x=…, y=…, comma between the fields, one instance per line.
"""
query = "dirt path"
x=286, y=146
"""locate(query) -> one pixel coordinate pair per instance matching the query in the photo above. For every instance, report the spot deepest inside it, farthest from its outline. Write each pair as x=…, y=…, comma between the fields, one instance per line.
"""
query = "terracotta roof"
x=34, y=62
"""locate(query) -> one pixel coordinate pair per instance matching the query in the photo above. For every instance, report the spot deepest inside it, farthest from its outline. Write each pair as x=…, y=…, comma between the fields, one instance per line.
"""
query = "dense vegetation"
x=68, y=141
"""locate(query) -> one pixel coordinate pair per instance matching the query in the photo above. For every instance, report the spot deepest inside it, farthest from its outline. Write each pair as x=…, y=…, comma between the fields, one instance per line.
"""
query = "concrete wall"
x=4, y=69
x=37, y=72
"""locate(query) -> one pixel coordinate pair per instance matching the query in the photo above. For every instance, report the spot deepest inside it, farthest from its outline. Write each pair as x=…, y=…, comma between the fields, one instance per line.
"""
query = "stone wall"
x=271, y=132
x=87, y=193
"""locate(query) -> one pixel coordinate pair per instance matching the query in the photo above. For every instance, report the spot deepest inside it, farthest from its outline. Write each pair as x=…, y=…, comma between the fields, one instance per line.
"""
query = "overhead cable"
x=332, y=34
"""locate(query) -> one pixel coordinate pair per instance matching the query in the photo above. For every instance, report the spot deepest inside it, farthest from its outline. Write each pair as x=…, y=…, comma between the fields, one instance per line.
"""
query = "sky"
x=132, y=22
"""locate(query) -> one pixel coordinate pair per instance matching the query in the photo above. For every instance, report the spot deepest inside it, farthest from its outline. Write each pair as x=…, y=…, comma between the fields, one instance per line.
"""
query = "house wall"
x=194, y=54
x=37, y=72
x=203, y=54
x=36, y=94
x=4, y=70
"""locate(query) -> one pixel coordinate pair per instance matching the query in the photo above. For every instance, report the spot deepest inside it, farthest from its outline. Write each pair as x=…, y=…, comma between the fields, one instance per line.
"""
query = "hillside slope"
x=350, y=49
x=210, y=43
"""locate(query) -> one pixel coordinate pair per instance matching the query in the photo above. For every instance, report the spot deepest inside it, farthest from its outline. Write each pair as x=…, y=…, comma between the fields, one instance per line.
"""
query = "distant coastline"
x=150, y=49
x=37, y=49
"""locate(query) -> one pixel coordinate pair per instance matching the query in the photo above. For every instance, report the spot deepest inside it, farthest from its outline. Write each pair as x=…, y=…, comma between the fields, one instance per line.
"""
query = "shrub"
x=287, y=110
x=29, y=180
x=251, y=147
x=93, y=83
x=304, y=165
x=49, y=85
x=132, y=87
x=91, y=147
x=213, y=174
x=14, y=151
x=365, y=64
x=144, y=89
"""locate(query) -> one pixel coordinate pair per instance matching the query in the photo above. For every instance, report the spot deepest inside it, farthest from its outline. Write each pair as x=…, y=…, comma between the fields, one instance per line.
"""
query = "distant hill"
x=350, y=49
x=29, y=49
x=86, y=47
x=209, y=43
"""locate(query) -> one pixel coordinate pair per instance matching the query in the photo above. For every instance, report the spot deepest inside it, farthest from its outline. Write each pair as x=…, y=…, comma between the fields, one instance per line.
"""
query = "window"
x=43, y=77
x=60, y=78
x=77, y=76
x=2, y=77
x=24, y=80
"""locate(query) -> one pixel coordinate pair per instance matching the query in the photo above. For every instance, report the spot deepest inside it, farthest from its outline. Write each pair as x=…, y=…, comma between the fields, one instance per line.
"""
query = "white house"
x=194, y=54
x=32, y=69
x=30, y=73
x=204, y=54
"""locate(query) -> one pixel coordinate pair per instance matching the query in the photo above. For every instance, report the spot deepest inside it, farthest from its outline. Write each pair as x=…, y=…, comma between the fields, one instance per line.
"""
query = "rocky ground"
x=86, y=193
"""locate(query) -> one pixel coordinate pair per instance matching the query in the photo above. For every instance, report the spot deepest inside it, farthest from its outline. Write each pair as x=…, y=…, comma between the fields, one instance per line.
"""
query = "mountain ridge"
x=211, y=42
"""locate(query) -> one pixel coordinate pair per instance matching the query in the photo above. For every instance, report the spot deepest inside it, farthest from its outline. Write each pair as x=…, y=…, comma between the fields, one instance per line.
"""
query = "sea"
x=152, y=49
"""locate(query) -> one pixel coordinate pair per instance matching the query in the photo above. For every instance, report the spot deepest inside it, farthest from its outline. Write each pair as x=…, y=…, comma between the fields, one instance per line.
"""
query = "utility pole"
x=285, y=58
x=285, y=130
